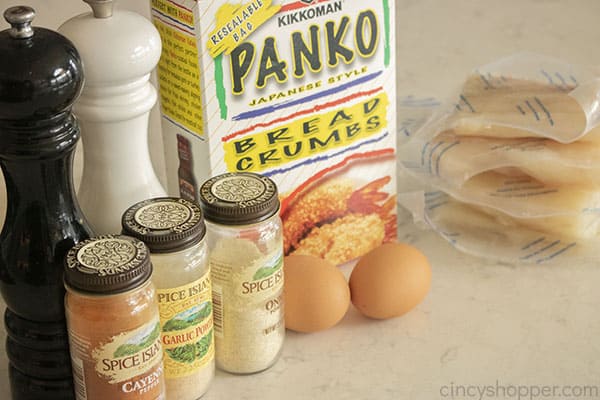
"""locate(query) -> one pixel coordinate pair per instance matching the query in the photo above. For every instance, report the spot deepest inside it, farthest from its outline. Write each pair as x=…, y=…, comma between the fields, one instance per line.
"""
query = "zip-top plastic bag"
x=528, y=95
x=518, y=148
x=488, y=234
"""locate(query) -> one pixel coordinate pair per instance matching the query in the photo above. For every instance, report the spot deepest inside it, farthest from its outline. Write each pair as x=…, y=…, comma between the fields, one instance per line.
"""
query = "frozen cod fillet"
x=487, y=233
x=510, y=108
x=583, y=226
x=524, y=197
x=545, y=160
x=569, y=211
x=478, y=126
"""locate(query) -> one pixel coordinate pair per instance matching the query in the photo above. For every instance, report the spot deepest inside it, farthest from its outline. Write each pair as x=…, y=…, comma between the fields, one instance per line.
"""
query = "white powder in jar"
x=185, y=272
x=248, y=304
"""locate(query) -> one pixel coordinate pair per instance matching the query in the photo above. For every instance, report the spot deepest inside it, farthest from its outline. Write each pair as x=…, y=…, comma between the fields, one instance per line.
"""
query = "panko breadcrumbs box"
x=300, y=91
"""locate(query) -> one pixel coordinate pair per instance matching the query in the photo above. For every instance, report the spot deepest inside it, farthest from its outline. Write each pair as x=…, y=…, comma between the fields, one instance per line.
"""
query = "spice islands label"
x=248, y=286
x=187, y=327
x=132, y=360
x=267, y=277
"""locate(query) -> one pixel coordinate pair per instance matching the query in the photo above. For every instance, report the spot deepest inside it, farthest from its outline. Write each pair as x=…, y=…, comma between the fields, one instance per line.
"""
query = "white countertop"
x=483, y=323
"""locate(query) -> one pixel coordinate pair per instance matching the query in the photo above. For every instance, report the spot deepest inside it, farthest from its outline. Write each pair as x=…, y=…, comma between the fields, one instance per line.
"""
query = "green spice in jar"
x=174, y=230
x=112, y=320
x=246, y=260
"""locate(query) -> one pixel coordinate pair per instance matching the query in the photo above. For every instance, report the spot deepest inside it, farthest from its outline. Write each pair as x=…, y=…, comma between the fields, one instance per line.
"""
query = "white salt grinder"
x=119, y=50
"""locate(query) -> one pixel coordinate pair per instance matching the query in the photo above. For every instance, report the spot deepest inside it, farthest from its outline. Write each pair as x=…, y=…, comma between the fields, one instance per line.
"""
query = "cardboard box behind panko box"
x=300, y=91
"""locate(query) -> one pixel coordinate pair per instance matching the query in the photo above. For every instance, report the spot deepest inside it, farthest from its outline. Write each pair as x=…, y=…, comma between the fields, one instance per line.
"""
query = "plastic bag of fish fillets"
x=527, y=95
x=518, y=148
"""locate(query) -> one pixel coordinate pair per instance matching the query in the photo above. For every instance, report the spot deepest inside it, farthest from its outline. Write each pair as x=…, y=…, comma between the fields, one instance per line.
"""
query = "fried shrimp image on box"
x=344, y=239
x=336, y=222
x=320, y=205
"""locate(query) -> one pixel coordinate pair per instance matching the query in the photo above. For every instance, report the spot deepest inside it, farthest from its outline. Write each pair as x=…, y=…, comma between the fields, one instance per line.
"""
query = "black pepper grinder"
x=40, y=78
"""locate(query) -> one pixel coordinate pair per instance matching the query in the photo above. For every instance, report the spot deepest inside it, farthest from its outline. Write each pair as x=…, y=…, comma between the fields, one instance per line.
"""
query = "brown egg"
x=316, y=293
x=390, y=280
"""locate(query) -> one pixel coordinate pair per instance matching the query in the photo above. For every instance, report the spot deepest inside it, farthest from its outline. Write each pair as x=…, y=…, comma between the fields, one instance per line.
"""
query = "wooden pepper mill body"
x=40, y=78
x=119, y=50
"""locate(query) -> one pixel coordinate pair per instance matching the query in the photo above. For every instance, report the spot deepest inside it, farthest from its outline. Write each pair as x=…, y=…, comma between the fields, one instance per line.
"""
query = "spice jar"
x=174, y=230
x=246, y=260
x=113, y=321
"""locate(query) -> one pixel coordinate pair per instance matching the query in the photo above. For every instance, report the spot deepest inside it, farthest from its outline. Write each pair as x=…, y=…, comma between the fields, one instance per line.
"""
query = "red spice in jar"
x=113, y=321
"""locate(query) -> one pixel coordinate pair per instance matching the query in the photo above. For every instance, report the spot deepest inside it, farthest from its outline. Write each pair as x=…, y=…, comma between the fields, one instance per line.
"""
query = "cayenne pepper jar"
x=113, y=321
x=244, y=236
x=174, y=230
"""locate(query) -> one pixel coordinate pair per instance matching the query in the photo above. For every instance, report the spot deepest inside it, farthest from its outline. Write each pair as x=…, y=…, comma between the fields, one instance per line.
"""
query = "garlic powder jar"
x=174, y=230
x=244, y=235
